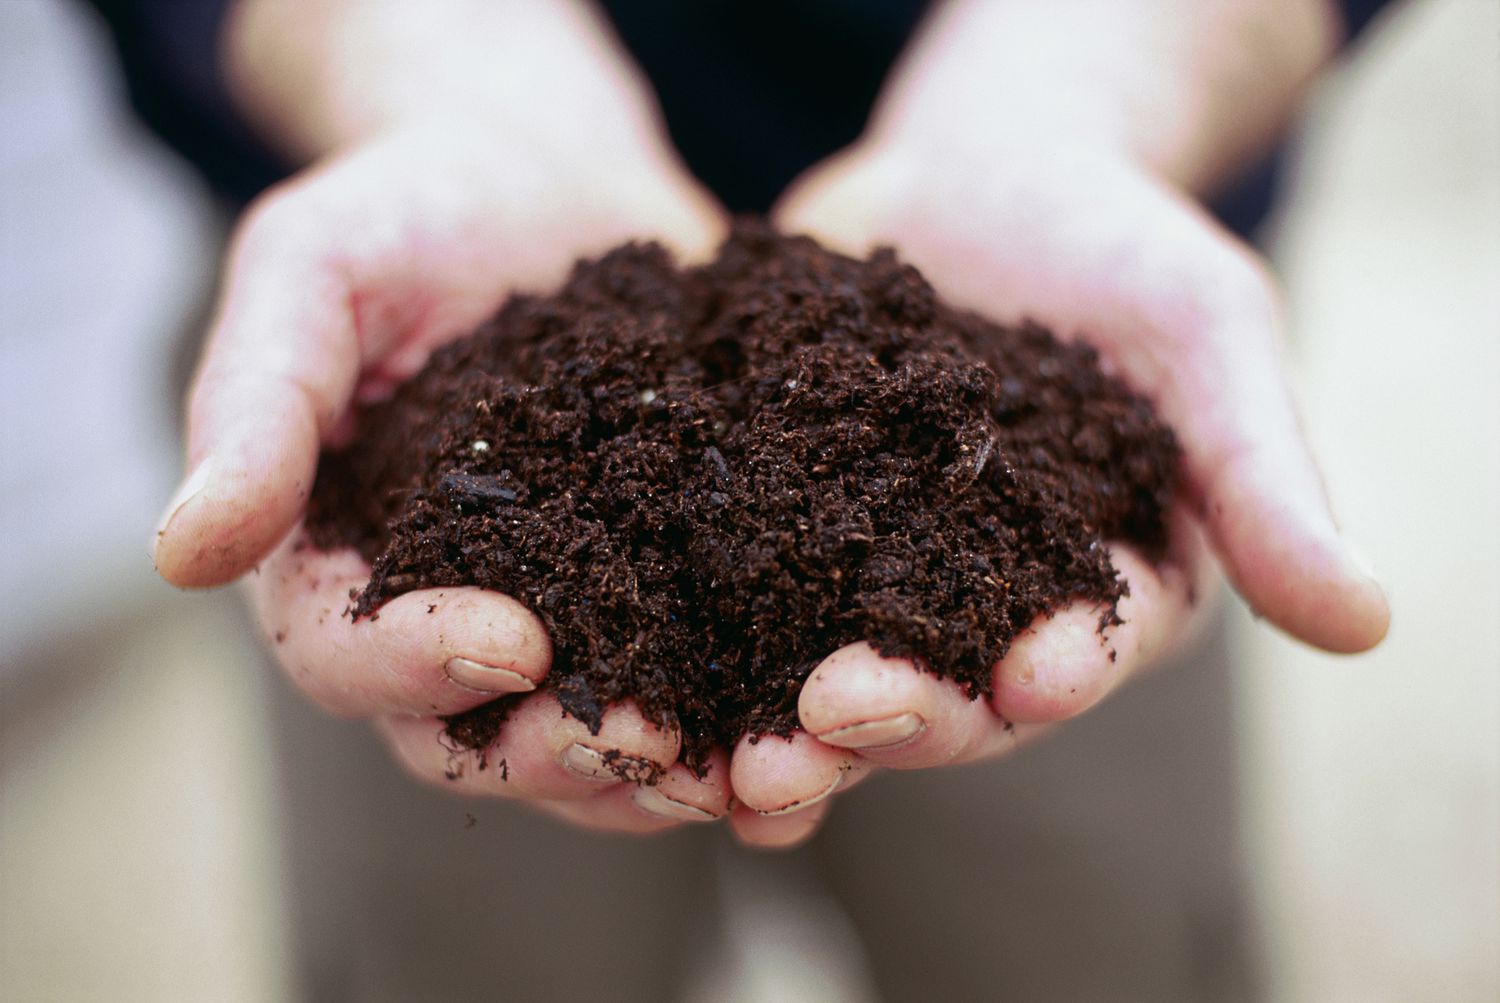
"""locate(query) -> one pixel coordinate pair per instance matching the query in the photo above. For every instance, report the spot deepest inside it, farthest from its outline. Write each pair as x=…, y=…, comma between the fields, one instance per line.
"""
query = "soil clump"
x=705, y=480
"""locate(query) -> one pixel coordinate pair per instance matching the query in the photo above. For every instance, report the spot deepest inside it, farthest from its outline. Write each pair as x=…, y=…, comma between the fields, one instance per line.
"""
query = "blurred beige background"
x=139, y=855
x=1375, y=782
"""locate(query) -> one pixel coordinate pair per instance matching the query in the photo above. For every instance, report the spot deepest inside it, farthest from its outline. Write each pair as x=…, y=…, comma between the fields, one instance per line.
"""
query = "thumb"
x=1248, y=463
x=280, y=367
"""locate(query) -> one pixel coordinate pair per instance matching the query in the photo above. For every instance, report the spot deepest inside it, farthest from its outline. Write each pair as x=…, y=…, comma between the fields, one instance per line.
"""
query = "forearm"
x=317, y=75
x=1194, y=89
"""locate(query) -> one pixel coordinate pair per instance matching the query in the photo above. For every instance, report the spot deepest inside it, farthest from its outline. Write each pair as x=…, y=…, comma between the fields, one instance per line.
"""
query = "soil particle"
x=706, y=480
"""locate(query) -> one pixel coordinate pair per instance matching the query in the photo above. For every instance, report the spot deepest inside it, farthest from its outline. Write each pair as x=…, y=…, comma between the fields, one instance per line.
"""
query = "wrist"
x=319, y=75
x=1189, y=92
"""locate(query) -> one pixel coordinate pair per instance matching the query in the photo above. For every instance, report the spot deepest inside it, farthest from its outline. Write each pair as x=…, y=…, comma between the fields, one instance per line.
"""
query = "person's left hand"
x=1088, y=244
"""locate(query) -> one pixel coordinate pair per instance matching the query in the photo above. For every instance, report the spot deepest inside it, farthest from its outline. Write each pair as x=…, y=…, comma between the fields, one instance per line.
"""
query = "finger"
x=781, y=776
x=317, y=287
x=420, y=747
x=555, y=756
x=856, y=687
x=891, y=712
x=1065, y=663
x=1265, y=506
x=1222, y=382
x=611, y=811
x=540, y=753
x=679, y=798
x=684, y=796
x=776, y=832
x=280, y=365
x=432, y=651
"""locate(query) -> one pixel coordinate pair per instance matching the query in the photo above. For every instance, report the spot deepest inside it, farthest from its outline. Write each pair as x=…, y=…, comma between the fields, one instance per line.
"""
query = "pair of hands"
x=341, y=282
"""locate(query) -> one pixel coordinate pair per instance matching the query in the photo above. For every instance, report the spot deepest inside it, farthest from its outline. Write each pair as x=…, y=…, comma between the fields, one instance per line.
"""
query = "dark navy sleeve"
x=1245, y=204
x=1358, y=14
x=169, y=52
x=752, y=91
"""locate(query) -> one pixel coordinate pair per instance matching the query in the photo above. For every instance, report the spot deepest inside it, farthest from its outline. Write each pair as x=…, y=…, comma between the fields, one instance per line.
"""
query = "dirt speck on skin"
x=705, y=480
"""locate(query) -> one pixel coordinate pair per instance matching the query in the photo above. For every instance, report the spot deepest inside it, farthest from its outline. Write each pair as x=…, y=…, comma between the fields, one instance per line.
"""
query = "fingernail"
x=653, y=802
x=587, y=763
x=191, y=487
x=472, y=675
x=787, y=809
x=882, y=733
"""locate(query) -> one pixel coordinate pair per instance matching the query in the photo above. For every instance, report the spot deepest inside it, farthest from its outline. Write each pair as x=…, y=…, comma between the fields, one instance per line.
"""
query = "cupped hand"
x=337, y=287
x=1090, y=245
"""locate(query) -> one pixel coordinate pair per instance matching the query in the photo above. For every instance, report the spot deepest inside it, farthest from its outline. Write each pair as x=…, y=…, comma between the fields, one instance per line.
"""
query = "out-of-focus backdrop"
x=140, y=853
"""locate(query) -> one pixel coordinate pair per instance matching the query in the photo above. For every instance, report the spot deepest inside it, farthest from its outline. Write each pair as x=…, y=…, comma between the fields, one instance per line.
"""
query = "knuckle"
x=284, y=220
x=269, y=215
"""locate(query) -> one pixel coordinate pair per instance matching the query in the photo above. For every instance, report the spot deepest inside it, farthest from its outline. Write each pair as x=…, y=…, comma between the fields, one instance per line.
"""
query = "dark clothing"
x=799, y=76
x=169, y=51
x=755, y=93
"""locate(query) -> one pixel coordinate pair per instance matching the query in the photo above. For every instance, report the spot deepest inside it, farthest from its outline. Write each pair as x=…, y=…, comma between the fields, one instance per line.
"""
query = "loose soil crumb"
x=705, y=480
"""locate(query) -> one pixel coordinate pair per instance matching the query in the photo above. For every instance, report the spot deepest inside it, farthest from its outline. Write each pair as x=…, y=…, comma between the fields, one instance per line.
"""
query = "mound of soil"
x=705, y=480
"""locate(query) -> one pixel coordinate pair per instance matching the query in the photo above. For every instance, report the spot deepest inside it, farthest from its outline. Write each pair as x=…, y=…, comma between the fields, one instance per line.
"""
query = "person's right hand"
x=338, y=285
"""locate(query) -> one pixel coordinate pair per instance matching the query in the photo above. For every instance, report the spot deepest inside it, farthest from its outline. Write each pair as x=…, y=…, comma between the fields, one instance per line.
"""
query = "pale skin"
x=436, y=186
